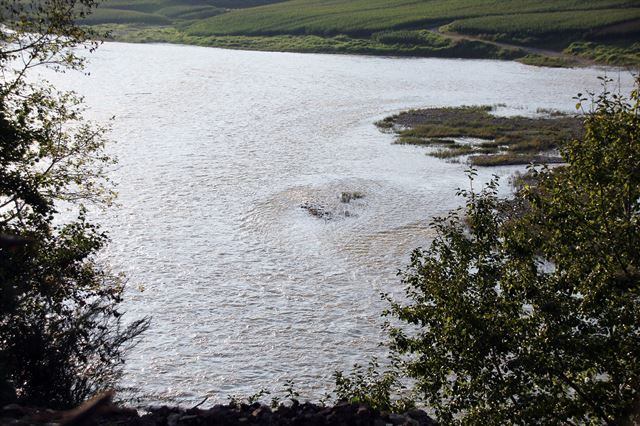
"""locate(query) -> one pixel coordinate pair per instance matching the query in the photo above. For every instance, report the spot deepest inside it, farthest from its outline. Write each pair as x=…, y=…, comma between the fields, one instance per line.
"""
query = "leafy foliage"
x=528, y=311
x=373, y=388
x=62, y=335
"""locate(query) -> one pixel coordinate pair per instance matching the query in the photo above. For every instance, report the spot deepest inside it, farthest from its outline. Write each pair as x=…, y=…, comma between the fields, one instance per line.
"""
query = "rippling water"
x=219, y=149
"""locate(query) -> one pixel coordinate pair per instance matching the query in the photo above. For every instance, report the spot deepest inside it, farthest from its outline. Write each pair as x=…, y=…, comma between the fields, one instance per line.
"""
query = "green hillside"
x=603, y=31
x=361, y=17
x=165, y=12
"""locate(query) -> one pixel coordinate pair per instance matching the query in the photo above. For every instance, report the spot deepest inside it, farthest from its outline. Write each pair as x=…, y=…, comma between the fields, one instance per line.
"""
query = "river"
x=218, y=151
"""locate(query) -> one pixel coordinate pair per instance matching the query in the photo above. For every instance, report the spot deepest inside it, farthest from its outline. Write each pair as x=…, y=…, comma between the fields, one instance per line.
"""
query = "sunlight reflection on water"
x=219, y=149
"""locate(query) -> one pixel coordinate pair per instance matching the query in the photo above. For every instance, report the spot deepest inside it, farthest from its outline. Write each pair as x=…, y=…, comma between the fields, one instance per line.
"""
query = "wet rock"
x=365, y=413
x=347, y=197
x=190, y=420
x=13, y=411
x=421, y=417
x=215, y=415
x=304, y=414
x=397, y=419
x=284, y=412
x=173, y=419
x=14, y=422
x=261, y=412
x=317, y=210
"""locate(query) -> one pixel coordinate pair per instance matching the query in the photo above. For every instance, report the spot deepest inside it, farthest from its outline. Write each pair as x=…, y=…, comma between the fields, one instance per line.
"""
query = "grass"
x=364, y=17
x=432, y=45
x=613, y=54
x=544, y=27
x=497, y=140
x=103, y=16
x=164, y=12
x=190, y=12
x=548, y=61
x=388, y=27
x=492, y=160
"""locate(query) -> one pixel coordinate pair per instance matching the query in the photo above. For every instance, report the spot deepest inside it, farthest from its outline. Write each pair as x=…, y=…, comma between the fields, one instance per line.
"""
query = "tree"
x=62, y=335
x=528, y=311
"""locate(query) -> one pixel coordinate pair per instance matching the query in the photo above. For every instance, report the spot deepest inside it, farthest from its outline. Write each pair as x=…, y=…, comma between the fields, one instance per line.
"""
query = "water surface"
x=219, y=149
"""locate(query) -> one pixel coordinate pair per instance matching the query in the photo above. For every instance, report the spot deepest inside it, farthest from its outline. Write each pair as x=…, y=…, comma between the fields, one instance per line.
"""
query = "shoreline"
x=342, y=45
x=597, y=66
x=429, y=44
x=101, y=410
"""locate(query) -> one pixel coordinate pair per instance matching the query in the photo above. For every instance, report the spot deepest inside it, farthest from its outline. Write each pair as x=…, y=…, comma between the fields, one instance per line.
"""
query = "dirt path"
x=527, y=49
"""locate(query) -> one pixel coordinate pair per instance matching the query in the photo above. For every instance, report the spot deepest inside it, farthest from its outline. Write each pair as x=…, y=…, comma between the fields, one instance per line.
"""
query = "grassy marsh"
x=495, y=140
x=548, y=61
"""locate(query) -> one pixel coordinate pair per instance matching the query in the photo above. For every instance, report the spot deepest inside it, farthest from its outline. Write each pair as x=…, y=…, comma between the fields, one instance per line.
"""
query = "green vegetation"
x=62, y=337
x=102, y=16
x=527, y=311
x=491, y=160
x=163, y=12
x=387, y=27
x=607, y=53
x=550, y=61
x=380, y=390
x=497, y=140
x=545, y=28
x=364, y=17
x=432, y=45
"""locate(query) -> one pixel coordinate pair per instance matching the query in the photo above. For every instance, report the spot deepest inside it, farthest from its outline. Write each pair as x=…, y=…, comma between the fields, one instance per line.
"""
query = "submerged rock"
x=346, y=197
x=332, y=209
x=317, y=210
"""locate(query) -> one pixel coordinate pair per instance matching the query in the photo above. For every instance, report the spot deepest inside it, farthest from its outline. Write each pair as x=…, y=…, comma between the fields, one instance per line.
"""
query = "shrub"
x=528, y=312
x=62, y=337
x=373, y=388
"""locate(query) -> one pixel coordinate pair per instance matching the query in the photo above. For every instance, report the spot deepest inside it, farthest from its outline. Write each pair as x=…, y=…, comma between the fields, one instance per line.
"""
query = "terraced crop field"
x=544, y=27
x=362, y=17
x=600, y=31
x=164, y=12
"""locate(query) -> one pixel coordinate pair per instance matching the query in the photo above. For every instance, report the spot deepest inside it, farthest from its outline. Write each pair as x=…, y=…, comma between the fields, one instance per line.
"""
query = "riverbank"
x=100, y=411
x=401, y=43
x=414, y=43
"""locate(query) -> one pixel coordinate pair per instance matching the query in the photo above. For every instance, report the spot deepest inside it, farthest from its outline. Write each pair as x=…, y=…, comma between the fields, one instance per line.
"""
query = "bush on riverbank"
x=527, y=311
x=62, y=335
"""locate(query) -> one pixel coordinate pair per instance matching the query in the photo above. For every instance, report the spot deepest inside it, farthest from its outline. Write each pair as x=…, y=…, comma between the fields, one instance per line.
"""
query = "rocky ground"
x=102, y=412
